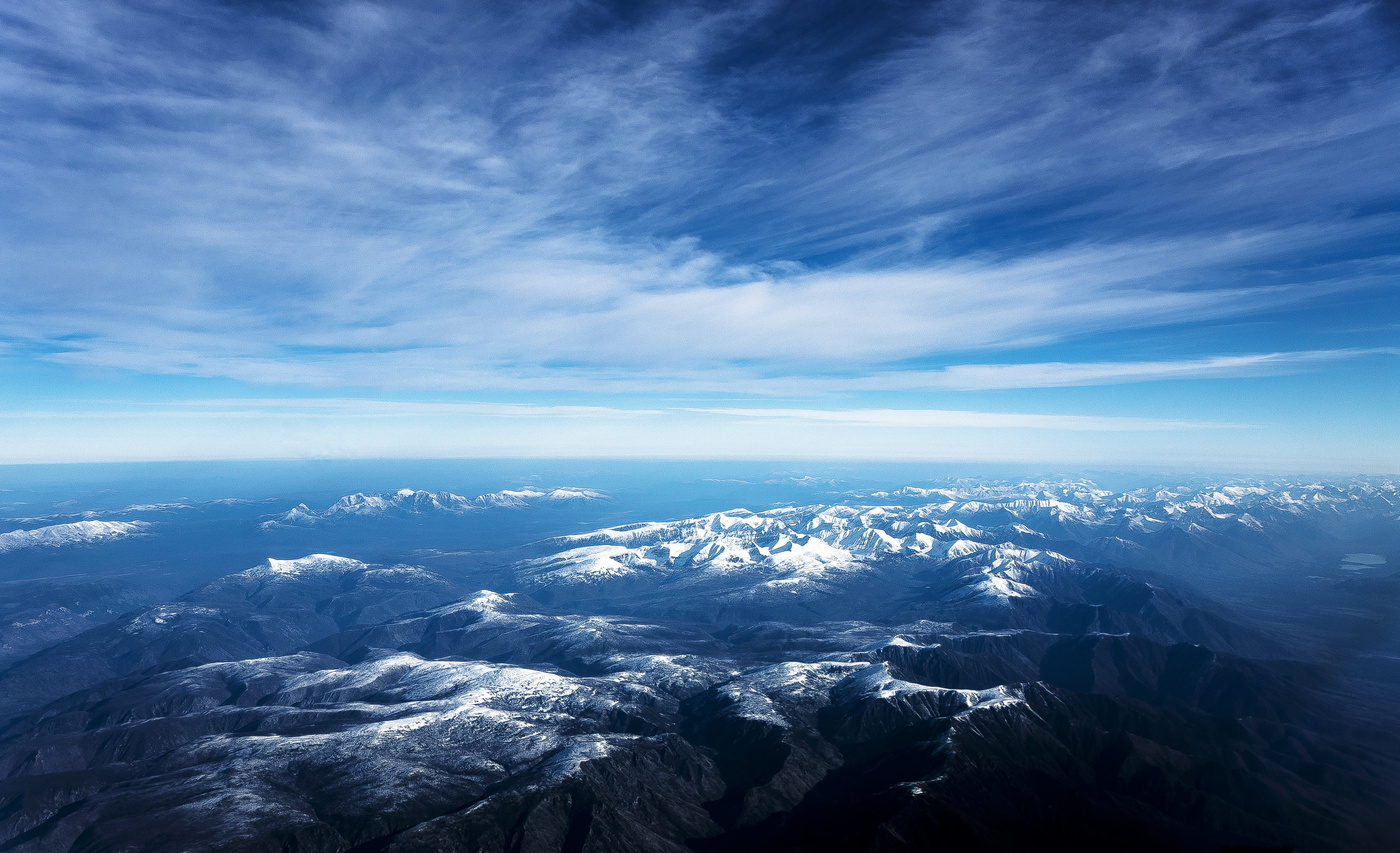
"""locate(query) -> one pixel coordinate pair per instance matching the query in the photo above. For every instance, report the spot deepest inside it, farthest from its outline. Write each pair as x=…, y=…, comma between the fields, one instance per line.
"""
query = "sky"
x=1081, y=233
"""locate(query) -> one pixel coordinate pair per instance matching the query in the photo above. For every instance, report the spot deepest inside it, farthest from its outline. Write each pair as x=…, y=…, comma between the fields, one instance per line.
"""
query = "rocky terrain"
x=1024, y=666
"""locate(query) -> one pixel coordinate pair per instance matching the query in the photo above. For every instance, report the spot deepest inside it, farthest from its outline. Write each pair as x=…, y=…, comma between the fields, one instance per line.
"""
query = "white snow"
x=310, y=565
x=418, y=502
x=789, y=551
x=74, y=533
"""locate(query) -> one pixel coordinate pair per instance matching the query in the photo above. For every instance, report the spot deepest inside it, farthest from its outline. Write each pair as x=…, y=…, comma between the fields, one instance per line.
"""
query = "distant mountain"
x=811, y=563
x=37, y=614
x=410, y=502
x=73, y=533
x=1193, y=531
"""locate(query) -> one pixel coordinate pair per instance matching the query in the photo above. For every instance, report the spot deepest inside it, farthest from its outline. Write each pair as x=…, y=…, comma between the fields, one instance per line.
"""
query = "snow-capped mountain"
x=1079, y=508
x=73, y=533
x=1236, y=534
x=803, y=564
x=409, y=502
x=951, y=665
x=792, y=551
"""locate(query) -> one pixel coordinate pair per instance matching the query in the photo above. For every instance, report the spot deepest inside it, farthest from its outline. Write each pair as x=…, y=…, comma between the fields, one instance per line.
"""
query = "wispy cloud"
x=401, y=196
x=350, y=409
x=805, y=324
x=944, y=419
x=340, y=409
x=982, y=377
x=271, y=428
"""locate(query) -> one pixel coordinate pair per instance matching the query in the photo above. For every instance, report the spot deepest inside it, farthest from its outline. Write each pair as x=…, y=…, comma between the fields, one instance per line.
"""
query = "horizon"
x=47, y=493
x=971, y=468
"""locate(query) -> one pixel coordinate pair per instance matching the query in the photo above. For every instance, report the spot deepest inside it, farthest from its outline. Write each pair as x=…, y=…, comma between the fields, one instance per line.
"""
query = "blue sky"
x=1123, y=234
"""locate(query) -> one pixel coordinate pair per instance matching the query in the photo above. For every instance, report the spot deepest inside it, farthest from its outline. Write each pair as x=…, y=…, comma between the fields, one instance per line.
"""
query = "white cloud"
x=943, y=418
x=588, y=324
x=495, y=209
x=351, y=409
x=983, y=377
x=322, y=408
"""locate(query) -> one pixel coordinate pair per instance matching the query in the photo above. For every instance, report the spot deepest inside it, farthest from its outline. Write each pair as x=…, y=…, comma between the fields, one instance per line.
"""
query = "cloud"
x=411, y=196
x=418, y=371
x=982, y=377
x=349, y=409
x=943, y=418
x=323, y=408
x=269, y=428
x=592, y=335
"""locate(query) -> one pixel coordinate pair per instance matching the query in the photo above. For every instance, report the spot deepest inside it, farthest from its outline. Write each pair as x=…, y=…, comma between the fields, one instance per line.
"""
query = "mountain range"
x=965, y=666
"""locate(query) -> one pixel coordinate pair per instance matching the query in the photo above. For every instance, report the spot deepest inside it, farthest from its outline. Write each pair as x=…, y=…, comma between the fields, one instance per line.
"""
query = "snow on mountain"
x=491, y=626
x=315, y=577
x=401, y=501
x=789, y=550
x=345, y=705
x=1079, y=511
x=716, y=544
x=482, y=723
x=407, y=502
x=521, y=498
x=164, y=509
x=988, y=553
x=74, y=533
x=313, y=565
x=876, y=681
